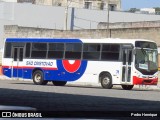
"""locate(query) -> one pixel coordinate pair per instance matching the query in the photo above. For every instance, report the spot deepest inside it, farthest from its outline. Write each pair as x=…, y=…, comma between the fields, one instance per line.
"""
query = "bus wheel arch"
x=105, y=78
x=38, y=77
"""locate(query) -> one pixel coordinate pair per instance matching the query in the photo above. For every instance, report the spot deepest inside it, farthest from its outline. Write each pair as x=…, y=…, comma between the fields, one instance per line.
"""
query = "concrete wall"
x=104, y=25
x=143, y=33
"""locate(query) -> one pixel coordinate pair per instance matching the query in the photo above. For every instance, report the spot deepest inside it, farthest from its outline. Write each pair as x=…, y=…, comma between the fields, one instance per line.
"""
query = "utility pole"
x=108, y=18
x=66, y=15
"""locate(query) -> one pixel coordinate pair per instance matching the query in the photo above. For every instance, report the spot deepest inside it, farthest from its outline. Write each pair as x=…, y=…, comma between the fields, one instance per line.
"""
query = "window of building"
x=26, y=1
x=101, y=6
x=88, y=5
x=112, y=7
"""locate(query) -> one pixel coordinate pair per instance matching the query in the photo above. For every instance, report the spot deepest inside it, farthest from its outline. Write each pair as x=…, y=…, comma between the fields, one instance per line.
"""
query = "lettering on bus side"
x=39, y=63
x=29, y=62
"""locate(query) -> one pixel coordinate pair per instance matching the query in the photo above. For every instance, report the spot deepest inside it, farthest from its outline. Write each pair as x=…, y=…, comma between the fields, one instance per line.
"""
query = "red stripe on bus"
x=30, y=67
x=144, y=81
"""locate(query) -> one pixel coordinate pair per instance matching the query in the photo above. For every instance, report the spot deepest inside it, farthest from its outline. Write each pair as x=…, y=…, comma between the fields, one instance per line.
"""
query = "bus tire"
x=127, y=87
x=38, y=78
x=106, y=81
x=59, y=83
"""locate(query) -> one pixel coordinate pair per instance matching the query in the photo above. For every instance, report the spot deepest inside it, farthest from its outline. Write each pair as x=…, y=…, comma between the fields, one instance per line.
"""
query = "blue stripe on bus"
x=59, y=74
x=42, y=40
x=49, y=74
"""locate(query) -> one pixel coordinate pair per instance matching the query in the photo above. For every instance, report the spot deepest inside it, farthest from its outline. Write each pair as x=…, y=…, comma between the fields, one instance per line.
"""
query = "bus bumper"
x=144, y=81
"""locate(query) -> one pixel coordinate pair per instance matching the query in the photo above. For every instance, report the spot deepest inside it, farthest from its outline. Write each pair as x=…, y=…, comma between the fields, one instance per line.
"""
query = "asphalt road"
x=77, y=98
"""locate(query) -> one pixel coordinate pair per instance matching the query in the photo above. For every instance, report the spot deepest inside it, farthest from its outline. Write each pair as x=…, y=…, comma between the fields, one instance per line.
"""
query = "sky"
x=127, y=4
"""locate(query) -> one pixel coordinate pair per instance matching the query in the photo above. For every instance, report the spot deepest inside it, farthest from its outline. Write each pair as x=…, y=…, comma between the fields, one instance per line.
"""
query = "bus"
x=108, y=62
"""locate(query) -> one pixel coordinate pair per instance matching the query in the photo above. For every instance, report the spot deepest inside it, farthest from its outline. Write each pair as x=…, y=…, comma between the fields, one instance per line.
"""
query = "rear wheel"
x=127, y=87
x=38, y=78
x=106, y=81
x=59, y=83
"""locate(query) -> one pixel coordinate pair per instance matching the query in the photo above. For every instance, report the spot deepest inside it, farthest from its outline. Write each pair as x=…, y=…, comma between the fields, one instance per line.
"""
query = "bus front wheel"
x=106, y=81
x=127, y=87
x=38, y=78
x=59, y=83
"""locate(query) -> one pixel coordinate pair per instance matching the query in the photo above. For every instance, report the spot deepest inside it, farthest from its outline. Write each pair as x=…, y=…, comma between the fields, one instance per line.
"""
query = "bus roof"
x=74, y=40
x=113, y=40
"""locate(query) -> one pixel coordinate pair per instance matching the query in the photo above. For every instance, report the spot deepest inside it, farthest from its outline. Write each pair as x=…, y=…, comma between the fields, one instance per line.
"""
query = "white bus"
x=125, y=62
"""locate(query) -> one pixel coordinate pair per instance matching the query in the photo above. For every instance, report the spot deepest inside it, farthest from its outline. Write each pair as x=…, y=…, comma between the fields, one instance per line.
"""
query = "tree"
x=133, y=10
x=157, y=10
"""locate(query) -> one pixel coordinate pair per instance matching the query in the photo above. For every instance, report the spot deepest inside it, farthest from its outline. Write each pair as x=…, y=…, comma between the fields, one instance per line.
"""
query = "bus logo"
x=71, y=66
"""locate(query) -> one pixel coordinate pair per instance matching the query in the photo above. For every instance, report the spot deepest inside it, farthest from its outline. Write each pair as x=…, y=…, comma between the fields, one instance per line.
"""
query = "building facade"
x=114, y=5
x=90, y=4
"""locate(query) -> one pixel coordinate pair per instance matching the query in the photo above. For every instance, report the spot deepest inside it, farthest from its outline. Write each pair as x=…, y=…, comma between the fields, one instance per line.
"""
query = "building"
x=89, y=4
x=148, y=10
x=114, y=5
x=45, y=16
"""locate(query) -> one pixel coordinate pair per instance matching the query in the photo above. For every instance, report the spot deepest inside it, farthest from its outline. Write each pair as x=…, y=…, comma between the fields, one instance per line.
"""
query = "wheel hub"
x=37, y=78
x=106, y=80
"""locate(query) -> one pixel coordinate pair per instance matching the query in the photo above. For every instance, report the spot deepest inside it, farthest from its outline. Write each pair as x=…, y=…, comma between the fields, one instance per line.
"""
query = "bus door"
x=17, y=70
x=126, y=64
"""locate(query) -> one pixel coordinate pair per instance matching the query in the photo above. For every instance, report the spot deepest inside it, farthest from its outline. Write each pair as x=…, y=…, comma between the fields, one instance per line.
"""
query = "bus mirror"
x=134, y=52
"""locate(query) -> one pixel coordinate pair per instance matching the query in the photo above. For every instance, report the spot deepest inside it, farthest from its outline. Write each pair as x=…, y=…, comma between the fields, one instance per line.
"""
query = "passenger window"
x=39, y=50
x=56, y=50
x=28, y=50
x=91, y=51
x=8, y=48
x=73, y=51
x=110, y=52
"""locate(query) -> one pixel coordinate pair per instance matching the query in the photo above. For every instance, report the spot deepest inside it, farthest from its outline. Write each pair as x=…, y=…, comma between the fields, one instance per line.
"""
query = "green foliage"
x=133, y=10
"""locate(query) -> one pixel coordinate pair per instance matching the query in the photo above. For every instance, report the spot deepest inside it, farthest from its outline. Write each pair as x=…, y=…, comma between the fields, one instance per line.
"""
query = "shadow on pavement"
x=51, y=102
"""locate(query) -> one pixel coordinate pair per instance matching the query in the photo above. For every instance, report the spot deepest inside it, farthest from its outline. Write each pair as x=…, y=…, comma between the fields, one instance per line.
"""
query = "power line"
x=78, y=27
x=86, y=19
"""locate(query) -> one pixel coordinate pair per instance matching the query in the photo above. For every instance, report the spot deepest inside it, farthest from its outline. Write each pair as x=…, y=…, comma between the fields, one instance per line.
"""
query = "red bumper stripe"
x=144, y=81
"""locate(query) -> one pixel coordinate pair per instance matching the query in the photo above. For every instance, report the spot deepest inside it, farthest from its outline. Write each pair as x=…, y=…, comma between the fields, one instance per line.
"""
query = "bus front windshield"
x=146, y=60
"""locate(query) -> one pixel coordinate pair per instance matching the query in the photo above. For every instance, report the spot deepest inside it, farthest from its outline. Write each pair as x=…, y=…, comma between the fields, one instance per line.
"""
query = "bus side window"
x=110, y=52
x=8, y=47
x=39, y=50
x=130, y=57
x=56, y=50
x=28, y=50
x=73, y=51
x=91, y=51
